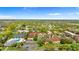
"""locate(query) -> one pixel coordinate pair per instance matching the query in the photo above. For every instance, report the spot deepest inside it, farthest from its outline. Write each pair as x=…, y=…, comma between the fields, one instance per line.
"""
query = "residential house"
x=69, y=34
x=72, y=35
x=76, y=38
x=22, y=31
x=31, y=35
x=54, y=39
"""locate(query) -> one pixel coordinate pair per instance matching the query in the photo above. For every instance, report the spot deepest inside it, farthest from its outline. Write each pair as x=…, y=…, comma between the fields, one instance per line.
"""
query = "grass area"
x=11, y=49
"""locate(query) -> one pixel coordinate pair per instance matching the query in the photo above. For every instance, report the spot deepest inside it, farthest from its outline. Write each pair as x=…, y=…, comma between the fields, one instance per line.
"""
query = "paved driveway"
x=29, y=45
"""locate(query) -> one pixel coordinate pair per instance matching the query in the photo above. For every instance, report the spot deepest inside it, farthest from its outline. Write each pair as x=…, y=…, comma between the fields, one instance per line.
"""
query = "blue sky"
x=39, y=12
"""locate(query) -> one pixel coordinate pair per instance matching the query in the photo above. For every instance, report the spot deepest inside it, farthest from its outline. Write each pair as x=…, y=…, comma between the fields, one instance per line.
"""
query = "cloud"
x=73, y=13
x=55, y=14
x=77, y=13
x=7, y=17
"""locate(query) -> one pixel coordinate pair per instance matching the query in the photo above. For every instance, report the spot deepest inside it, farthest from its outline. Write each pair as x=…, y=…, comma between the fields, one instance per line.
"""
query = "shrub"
x=66, y=41
x=65, y=47
x=14, y=45
x=40, y=42
x=35, y=38
x=49, y=47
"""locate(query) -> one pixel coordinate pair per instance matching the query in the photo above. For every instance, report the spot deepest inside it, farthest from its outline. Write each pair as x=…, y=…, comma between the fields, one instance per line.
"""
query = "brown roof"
x=32, y=34
x=53, y=39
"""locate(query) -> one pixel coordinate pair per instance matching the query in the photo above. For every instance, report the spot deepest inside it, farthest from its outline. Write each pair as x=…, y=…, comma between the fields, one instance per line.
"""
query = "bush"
x=49, y=47
x=40, y=42
x=65, y=47
x=66, y=41
x=1, y=45
x=75, y=47
x=19, y=44
x=14, y=45
x=35, y=38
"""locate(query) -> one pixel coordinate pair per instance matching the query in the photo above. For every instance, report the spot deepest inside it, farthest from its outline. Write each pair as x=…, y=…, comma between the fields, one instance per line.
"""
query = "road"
x=29, y=45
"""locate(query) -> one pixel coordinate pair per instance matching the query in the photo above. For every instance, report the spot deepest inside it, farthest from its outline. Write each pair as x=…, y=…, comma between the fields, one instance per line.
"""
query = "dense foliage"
x=11, y=28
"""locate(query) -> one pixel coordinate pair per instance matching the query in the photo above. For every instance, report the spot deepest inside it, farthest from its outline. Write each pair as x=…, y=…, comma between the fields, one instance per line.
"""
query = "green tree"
x=40, y=40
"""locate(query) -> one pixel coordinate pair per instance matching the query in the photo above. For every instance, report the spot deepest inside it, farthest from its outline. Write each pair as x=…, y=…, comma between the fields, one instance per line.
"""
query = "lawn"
x=11, y=49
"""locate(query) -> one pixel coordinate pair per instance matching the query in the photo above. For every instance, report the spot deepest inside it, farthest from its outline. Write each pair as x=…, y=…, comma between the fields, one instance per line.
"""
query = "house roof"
x=32, y=34
x=70, y=33
x=53, y=39
x=21, y=35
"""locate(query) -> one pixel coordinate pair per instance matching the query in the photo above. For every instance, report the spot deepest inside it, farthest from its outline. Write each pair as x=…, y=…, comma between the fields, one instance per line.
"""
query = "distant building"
x=21, y=31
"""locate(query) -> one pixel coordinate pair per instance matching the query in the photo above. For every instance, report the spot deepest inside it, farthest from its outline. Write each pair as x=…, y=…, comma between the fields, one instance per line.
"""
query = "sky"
x=39, y=12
